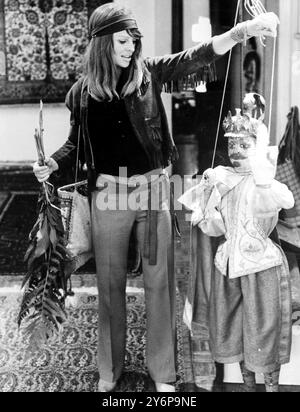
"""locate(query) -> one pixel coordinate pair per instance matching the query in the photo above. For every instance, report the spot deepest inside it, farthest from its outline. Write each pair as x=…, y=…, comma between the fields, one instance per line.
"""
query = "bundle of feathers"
x=42, y=309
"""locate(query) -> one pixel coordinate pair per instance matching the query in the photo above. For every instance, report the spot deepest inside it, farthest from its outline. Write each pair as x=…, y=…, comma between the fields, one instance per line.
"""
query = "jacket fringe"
x=144, y=86
x=190, y=82
x=172, y=156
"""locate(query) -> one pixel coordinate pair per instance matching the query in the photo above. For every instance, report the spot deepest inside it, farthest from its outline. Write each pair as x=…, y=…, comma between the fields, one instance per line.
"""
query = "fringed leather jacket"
x=145, y=109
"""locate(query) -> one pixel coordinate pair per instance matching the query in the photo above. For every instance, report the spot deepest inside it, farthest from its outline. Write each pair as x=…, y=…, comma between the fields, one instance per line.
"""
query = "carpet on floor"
x=18, y=215
x=4, y=197
x=69, y=363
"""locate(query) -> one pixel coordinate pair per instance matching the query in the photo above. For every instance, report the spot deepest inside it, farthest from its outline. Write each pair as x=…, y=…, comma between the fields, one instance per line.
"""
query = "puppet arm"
x=204, y=201
x=270, y=199
x=270, y=196
x=210, y=219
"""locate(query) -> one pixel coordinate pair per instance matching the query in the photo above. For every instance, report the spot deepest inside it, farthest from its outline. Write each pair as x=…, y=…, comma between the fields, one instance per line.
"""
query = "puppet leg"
x=272, y=381
x=248, y=378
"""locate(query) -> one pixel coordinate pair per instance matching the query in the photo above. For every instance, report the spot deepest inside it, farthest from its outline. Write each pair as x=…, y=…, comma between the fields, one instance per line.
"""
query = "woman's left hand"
x=263, y=25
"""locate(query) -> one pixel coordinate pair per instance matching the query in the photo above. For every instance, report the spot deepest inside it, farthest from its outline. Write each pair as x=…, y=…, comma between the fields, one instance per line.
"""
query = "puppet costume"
x=249, y=312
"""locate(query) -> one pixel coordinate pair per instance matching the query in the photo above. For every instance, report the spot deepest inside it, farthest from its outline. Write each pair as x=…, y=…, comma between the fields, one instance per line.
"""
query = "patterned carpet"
x=69, y=363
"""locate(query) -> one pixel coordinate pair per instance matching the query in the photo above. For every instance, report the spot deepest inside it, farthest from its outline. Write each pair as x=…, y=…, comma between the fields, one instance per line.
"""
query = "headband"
x=114, y=25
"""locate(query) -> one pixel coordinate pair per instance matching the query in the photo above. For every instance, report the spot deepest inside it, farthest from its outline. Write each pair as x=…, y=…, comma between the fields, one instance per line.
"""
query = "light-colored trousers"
x=251, y=319
x=111, y=235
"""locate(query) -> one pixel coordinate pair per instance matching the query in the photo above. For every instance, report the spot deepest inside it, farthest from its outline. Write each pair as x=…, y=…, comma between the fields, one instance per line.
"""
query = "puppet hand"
x=263, y=166
x=209, y=177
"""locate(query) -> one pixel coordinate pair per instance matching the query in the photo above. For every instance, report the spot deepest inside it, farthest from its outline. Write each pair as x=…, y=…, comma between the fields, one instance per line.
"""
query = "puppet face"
x=240, y=149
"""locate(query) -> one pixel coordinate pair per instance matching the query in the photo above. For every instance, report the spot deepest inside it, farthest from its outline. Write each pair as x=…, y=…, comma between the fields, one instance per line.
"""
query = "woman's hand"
x=42, y=173
x=263, y=25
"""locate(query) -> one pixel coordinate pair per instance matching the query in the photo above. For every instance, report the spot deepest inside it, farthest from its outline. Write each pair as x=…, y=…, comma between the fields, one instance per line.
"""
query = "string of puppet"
x=224, y=89
x=254, y=8
x=219, y=124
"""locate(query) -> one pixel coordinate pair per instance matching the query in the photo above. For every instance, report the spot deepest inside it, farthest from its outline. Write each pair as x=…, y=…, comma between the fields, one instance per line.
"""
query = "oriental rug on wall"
x=42, y=43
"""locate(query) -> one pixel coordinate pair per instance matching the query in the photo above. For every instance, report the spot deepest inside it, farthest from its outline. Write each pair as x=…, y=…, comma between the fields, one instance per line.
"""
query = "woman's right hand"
x=263, y=25
x=42, y=173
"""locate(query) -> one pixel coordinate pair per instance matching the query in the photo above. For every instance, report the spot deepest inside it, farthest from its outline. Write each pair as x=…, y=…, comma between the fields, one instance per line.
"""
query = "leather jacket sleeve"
x=172, y=67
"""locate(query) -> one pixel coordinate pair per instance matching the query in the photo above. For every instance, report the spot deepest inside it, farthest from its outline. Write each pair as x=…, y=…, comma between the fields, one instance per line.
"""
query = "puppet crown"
x=248, y=122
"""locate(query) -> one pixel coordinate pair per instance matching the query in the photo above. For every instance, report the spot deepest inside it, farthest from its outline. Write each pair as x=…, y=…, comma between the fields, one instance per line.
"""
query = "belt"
x=150, y=236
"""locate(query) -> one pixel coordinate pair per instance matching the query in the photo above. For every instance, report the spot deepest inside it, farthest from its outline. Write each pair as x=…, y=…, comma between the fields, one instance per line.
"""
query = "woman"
x=123, y=125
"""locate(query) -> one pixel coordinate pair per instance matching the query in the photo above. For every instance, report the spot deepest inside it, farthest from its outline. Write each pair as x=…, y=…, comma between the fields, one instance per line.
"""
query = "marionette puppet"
x=250, y=303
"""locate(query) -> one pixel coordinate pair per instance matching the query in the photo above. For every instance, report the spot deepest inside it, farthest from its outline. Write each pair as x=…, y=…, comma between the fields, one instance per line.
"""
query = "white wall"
x=17, y=125
x=17, y=122
x=288, y=85
x=192, y=10
x=144, y=11
x=295, y=58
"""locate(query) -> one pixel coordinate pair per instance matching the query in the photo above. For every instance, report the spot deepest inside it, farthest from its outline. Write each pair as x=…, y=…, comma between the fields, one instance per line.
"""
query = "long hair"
x=98, y=61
